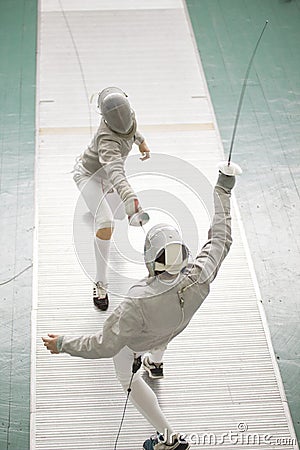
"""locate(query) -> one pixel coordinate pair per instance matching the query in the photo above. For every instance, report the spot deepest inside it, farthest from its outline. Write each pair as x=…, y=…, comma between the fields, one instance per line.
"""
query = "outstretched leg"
x=94, y=197
x=141, y=395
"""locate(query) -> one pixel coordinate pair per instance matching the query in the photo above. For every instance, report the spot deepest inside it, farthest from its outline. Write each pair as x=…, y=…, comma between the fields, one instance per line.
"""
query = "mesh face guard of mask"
x=116, y=111
x=165, y=239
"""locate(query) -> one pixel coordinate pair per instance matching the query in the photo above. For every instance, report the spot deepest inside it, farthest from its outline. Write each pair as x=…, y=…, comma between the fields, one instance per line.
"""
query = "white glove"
x=136, y=216
x=132, y=206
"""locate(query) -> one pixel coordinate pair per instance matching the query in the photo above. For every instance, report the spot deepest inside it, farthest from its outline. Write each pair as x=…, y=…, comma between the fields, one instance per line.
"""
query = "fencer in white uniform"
x=158, y=308
x=100, y=176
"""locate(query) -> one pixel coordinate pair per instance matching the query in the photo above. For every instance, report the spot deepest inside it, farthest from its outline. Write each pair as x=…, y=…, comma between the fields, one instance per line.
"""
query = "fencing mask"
x=116, y=111
x=164, y=250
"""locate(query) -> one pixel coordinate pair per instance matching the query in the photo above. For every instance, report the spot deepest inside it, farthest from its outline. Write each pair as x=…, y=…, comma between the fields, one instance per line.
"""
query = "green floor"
x=17, y=104
x=267, y=147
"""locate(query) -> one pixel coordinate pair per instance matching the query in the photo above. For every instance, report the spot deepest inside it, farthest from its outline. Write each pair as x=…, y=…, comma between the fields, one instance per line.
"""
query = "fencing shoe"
x=155, y=370
x=100, y=297
x=158, y=443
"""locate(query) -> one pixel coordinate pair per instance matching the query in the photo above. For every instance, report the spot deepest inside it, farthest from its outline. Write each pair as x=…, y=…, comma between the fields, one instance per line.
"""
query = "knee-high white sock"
x=101, y=247
x=145, y=401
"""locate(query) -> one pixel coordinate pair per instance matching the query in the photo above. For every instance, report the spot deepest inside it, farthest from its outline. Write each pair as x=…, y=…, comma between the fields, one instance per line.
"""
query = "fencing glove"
x=136, y=215
x=227, y=174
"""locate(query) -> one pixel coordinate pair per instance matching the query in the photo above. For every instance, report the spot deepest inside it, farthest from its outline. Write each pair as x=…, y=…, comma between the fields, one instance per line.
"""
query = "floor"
x=17, y=147
x=238, y=398
x=77, y=403
x=267, y=147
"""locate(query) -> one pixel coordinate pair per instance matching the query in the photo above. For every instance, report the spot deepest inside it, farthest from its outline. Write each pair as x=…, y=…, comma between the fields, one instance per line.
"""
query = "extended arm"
x=219, y=240
x=122, y=325
x=110, y=158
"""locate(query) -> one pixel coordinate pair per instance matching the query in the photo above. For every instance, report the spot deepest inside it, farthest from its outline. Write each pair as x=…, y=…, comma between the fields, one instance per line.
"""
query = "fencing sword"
x=141, y=224
x=243, y=91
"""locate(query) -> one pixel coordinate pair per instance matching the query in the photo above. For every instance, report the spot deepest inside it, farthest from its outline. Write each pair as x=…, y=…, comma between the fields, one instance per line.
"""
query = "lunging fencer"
x=157, y=309
x=100, y=176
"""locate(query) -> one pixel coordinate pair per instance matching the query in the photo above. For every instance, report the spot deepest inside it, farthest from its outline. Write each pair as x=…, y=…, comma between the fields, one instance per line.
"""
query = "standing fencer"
x=100, y=176
x=158, y=308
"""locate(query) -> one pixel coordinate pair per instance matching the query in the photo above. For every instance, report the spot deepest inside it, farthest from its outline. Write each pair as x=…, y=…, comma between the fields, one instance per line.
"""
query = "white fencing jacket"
x=151, y=315
x=108, y=151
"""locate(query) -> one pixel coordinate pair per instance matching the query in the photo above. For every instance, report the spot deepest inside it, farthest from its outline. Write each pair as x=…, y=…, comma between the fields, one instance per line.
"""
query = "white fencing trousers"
x=141, y=395
x=93, y=195
x=104, y=207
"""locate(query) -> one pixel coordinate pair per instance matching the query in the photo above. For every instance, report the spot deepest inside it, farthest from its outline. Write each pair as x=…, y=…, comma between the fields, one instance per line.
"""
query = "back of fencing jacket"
x=157, y=308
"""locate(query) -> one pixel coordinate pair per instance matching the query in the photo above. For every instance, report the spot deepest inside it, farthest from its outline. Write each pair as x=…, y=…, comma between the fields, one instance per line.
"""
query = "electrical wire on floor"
x=17, y=275
x=80, y=65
